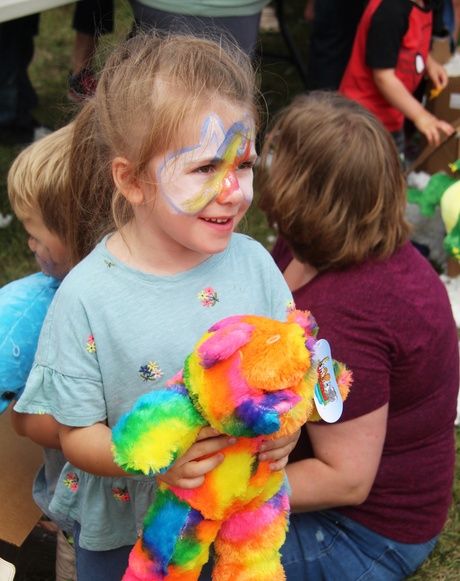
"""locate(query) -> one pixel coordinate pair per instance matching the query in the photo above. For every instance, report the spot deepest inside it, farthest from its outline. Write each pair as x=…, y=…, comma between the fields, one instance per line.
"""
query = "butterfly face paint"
x=191, y=178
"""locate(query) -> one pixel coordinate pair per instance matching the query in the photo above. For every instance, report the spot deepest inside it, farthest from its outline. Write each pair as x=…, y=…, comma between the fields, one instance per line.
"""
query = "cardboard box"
x=20, y=460
x=446, y=105
x=435, y=158
x=440, y=48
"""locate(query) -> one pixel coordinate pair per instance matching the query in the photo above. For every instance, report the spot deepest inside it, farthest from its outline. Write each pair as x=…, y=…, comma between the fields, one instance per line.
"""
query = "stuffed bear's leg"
x=247, y=545
x=174, y=544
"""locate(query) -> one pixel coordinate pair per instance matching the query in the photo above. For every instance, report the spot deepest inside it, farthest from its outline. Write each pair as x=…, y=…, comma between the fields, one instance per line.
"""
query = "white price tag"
x=327, y=396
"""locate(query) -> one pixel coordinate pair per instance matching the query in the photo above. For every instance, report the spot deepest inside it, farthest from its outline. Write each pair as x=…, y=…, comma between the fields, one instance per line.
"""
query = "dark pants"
x=17, y=95
x=94, y=17
x=242, y=29
x=331, y=40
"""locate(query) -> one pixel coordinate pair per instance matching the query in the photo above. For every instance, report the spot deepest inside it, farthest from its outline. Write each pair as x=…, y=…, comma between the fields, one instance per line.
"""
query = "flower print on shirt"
x=151, y=371
x=208, y=297
x=71, y=481
x=90, y=344
x=121, y=494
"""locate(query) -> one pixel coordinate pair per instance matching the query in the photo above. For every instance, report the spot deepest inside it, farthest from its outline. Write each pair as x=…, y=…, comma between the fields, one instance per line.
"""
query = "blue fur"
x=23, y=306
x=163, y=524
x=259, y=418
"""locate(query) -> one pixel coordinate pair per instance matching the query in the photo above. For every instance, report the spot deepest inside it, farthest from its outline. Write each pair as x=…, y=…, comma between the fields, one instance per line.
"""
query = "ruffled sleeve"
x=65, y=380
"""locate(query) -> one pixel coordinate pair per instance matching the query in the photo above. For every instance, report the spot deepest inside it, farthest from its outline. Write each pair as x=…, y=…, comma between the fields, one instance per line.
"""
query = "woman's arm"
x=42, y=429
x=347, y=457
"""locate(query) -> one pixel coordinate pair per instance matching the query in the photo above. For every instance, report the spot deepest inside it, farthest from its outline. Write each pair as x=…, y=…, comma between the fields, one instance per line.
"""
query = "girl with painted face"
x=169, y=138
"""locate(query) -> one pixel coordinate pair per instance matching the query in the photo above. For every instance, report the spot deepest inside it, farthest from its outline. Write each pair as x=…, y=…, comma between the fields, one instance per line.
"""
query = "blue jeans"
x=100, y=565
x=109, y=565
x=326, y=545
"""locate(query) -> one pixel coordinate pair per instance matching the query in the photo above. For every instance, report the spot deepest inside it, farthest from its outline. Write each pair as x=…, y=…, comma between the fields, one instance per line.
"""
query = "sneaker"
x=81, y=85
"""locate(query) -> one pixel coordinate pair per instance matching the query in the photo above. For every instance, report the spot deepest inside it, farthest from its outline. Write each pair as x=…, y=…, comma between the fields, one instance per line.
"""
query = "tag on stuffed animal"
x=327, y=396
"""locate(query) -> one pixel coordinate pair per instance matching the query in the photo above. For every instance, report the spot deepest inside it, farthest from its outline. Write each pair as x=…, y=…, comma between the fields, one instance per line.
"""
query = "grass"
x=279, y=82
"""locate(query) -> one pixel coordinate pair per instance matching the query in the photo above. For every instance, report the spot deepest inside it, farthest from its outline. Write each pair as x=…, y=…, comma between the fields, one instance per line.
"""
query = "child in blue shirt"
x=170, y=139
x=38, y=189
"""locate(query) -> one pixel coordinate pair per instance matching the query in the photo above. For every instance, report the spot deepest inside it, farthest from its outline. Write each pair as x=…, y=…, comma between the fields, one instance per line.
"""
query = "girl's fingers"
x=207, y=432
x=276, y=454
x=207, y=447
x=279, y=465
x=201, y=467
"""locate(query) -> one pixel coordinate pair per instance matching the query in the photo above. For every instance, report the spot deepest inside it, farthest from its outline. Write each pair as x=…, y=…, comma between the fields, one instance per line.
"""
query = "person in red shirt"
x=389, y=58
x=370, y=493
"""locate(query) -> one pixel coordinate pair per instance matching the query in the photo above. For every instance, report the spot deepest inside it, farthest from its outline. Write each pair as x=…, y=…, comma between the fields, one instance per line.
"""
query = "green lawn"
x=280, y=82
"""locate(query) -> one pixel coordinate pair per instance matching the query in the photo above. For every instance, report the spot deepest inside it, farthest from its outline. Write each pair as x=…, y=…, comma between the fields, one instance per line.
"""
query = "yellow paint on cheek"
x=217, y=184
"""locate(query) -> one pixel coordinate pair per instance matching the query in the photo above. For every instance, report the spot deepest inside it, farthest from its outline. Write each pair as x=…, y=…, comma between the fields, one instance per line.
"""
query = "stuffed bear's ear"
x=306, y=320
x=224, y=342
x=234, y=319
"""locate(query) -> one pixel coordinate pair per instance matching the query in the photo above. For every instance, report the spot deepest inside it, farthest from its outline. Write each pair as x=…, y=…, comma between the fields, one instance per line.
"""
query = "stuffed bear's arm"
x=160, y=428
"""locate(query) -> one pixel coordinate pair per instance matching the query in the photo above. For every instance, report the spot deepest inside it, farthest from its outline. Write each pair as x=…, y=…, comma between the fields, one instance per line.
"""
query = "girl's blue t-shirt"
x=114, y=333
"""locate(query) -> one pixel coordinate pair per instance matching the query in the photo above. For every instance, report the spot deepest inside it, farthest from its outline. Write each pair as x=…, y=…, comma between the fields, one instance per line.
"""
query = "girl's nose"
x=230, y=188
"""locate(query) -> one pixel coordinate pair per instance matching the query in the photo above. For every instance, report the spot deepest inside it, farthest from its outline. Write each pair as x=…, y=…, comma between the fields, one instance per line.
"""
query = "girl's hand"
x=277, y=451
x=201, y=458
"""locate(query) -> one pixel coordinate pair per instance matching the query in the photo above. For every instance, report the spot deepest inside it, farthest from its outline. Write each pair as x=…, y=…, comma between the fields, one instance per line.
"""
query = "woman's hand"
x=201, y=458
x=277, y=451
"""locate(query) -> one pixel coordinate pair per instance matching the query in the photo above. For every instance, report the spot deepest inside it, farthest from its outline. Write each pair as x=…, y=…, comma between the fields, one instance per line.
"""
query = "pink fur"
x=224, y=343
x=243, y=527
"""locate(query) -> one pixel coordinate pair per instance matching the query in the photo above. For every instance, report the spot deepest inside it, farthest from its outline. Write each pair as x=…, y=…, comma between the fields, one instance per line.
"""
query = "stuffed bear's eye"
x=8, y=395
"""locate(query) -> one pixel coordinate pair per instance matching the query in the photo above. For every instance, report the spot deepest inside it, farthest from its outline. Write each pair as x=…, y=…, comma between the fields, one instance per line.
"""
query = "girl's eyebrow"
x=216, y=161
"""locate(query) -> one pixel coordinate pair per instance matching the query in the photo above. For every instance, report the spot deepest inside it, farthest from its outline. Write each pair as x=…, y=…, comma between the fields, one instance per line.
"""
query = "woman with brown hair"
x=370, y=493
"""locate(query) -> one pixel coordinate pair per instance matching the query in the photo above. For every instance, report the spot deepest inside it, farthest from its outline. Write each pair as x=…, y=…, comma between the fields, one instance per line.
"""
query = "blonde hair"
x=150, y=86
x=335, y=187
x=38, y=181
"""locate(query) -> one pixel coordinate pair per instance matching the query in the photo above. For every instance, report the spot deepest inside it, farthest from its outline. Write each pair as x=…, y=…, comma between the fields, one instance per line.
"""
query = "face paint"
x=192, y=177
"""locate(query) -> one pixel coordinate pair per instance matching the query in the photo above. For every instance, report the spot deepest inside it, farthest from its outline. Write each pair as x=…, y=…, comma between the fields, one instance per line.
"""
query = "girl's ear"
x=125, y=181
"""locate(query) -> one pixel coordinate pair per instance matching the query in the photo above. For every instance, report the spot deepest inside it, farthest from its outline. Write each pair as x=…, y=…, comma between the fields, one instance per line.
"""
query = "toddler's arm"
x=42, y=429
x=90, y=449
x=394, y=91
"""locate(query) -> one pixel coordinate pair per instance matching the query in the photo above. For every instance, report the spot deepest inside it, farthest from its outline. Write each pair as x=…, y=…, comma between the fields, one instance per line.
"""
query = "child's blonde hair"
x=38, y=181
x=150, y=87
x=335, y=187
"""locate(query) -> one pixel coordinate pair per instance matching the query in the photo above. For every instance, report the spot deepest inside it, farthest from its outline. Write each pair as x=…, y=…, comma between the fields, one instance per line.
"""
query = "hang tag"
x=327, y=396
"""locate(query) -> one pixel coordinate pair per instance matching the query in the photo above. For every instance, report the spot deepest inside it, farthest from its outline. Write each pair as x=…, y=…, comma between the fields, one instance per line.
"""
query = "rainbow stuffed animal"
x=249, y=377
